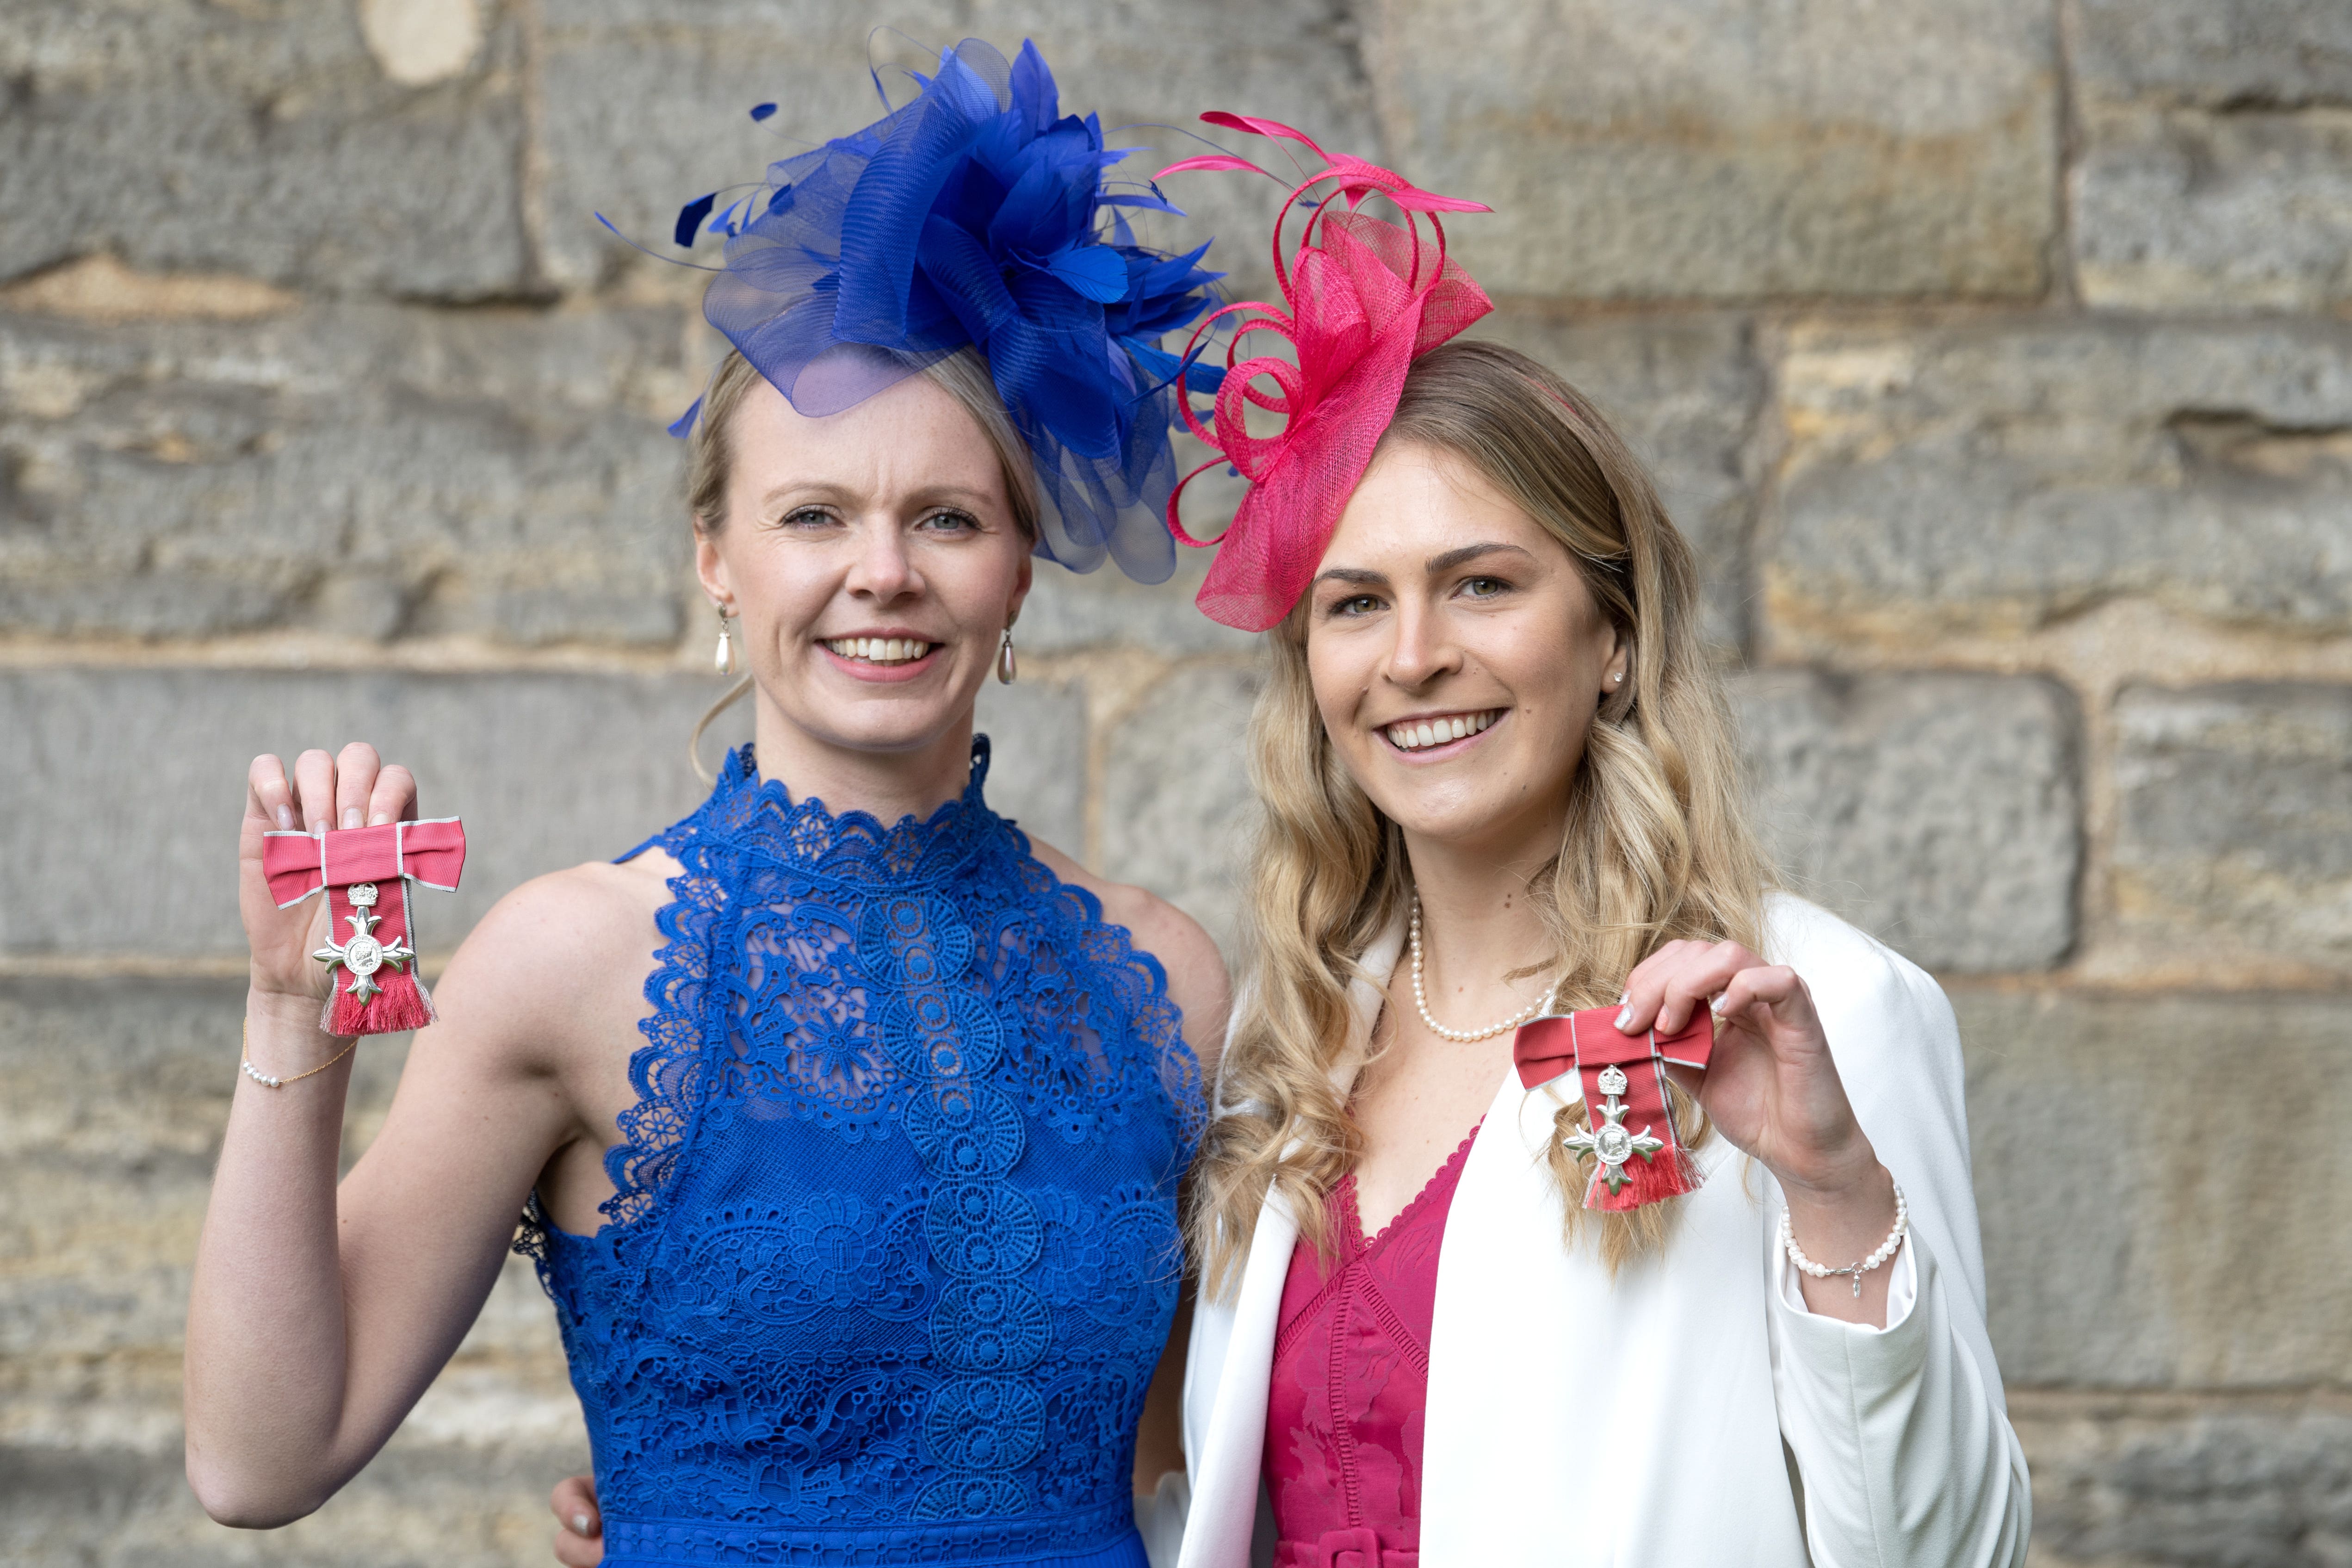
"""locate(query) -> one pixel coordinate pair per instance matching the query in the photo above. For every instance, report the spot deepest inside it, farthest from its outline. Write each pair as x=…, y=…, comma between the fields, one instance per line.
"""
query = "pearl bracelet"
x=244, y=1060
x=1886, y=1249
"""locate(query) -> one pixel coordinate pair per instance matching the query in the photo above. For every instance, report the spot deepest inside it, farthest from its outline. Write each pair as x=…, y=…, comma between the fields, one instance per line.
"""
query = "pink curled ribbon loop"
x=1361, y=299
x=365, y=873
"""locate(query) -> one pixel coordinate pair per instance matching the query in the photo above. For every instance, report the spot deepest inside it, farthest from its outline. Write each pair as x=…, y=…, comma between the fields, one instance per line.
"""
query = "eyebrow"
x=1445, y=560
x=1467, y=553
x=929, y=495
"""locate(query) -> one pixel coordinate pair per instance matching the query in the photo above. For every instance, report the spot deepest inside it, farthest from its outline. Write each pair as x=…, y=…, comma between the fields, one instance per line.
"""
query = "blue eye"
x=805, y=517
x=951, y=522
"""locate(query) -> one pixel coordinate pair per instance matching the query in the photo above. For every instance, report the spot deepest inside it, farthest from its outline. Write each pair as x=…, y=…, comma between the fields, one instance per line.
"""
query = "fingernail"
x=378, y=819
x=580, y=1523
x=1623, y=997
x=350, y=816
x=1715, y=1002
x=1625, y=1017
x=286, y=817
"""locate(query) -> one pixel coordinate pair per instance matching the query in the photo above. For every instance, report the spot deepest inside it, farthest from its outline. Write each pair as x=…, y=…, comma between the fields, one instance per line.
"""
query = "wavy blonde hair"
x=1656, y=848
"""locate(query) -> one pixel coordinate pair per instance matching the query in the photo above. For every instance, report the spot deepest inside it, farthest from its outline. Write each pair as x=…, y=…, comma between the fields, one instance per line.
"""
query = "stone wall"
x=1997, y=353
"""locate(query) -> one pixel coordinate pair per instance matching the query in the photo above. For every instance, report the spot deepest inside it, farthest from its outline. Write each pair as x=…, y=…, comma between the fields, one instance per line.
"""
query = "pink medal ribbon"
x=366, y=872
x=1640, y=1159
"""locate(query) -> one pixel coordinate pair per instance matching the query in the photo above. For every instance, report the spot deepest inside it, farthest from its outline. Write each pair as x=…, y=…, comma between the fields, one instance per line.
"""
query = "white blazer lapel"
x=1493, y=1449
x=1225, y=1372
x=1231, y=1358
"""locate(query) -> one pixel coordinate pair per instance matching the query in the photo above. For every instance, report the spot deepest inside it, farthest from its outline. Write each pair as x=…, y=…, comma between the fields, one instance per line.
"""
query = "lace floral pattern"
x=892, y=1249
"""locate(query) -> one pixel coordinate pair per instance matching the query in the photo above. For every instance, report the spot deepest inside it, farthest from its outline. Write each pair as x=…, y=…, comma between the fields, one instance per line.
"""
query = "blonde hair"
x=1656, y=845
x=710, y=465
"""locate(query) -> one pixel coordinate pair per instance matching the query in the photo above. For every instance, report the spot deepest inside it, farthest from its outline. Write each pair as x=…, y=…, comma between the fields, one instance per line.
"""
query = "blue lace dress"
x=893, y=1251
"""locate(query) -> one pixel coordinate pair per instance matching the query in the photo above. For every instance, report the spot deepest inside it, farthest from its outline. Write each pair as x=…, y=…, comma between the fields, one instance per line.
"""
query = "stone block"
x=2219, y=54
x=2234, y=822
x=1996, y=474
x=2214, y=139
x=1177, y=808
x=645, y=113
x=365, y=472
x=1730, y=149
x=119, y=1089
x=123, y=788
x=1938, y=812
x=453, y=1505
x=267, y=140
x=2245, y=1482
x=2193, y=208
x=1685, y=391
x=1037, y=763
x=2163, y=1186
x=1070, y=611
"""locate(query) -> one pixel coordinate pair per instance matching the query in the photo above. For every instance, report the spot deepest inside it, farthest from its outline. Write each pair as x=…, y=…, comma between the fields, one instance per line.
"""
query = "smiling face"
x=875, y=560
x=1457, y=657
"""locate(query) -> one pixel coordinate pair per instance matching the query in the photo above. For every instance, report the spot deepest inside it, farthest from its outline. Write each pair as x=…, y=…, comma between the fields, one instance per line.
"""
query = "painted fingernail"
x=1625, y=1017
x=580, y=1523
x=1715, y=1002
x=350, y=816
x=286, y=819
x=1623, y=997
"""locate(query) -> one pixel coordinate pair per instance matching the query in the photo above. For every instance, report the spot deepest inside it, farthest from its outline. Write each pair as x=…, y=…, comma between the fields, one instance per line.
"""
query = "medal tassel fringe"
x=401, y=1003
x=1671, y=1173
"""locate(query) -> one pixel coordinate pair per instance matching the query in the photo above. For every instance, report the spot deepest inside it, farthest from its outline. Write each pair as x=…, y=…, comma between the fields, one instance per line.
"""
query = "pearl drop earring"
x=723, y=657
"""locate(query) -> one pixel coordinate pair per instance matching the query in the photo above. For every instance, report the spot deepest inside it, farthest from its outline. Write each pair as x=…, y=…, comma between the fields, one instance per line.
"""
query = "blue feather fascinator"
x=977, y=214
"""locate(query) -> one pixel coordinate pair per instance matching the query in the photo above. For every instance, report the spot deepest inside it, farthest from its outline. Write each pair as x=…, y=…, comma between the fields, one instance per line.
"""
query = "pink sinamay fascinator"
x=1361, y=299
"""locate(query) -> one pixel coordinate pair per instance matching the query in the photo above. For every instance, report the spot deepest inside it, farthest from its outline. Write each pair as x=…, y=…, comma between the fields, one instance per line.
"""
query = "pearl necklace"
x=1460, y=1037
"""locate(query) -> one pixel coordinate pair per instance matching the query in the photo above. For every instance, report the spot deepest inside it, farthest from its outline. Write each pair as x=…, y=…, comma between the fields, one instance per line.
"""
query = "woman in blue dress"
x=848, y=1120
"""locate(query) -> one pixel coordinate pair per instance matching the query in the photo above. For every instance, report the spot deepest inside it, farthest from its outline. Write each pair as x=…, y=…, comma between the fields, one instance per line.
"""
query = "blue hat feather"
x=976, y=215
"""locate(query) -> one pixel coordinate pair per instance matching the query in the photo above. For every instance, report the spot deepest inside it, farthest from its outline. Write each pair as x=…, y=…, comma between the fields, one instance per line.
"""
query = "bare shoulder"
x=577, y=916
x=560, y=958
x=1197, y=981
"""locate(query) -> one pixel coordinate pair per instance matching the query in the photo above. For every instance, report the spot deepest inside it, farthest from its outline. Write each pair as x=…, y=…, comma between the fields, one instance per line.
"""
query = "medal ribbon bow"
x=365, y=872
x=1628, y=1128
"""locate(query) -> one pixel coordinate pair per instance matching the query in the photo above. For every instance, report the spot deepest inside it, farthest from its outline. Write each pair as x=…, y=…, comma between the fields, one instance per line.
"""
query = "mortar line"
x=2065, y=283
x=530, y=158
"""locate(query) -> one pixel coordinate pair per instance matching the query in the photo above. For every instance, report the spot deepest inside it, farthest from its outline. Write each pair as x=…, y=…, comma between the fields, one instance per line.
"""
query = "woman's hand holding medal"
x=1773, y=1089
x=350, y=789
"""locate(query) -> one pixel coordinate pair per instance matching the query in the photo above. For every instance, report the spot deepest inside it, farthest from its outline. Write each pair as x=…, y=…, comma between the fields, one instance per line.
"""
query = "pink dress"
x=1343, y=1422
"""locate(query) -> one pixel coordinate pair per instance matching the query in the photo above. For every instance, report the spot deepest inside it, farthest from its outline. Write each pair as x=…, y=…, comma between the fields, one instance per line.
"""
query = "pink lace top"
x=1343, y=1421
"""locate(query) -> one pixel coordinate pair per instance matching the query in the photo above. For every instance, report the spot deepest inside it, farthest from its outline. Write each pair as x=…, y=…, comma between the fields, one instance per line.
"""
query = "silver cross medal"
x=362, y=955
x=1610, y=1142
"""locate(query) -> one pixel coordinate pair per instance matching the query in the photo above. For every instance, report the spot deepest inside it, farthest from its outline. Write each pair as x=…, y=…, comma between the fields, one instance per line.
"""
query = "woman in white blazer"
x=1499, y=783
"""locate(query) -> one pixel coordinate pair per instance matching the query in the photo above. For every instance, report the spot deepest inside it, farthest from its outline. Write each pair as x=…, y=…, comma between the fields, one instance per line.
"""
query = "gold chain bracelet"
x=244, y=1060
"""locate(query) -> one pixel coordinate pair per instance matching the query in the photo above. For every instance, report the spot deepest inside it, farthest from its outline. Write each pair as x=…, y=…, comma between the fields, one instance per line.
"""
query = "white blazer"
x=1692, y=1414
